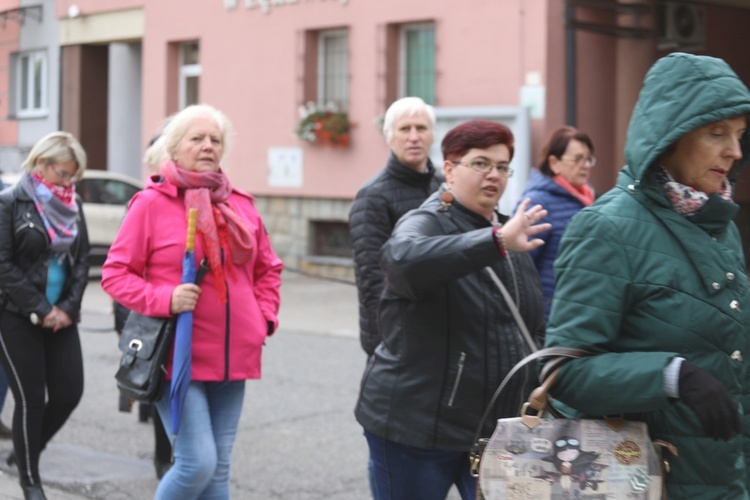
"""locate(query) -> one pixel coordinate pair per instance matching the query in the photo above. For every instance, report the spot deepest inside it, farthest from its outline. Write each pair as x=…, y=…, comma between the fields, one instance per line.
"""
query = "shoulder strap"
x=513, y=309
x=563, y=353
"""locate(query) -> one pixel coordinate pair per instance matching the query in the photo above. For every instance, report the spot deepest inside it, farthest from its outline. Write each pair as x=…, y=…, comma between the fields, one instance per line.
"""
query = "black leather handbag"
x=145, y=343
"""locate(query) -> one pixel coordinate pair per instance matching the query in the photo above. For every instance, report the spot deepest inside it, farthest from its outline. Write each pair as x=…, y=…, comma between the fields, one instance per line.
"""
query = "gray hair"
x=406, y=106
x=176, y=127
x=57, y=147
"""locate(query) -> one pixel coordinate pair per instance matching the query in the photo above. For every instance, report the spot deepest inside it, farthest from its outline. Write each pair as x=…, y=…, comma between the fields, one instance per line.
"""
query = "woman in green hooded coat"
x=652, y=278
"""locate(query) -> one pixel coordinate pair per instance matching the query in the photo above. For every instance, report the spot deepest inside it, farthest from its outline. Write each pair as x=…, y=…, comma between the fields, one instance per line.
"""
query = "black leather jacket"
x=449, y=337
x=379, y=204
x=25, y=257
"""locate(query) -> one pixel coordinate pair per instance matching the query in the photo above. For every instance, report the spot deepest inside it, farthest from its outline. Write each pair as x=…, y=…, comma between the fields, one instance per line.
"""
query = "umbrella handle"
x=202, y=270
x=192, y=220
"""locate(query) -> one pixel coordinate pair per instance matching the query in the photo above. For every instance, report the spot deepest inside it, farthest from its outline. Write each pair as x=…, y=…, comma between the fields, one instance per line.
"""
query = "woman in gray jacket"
x=449, y=337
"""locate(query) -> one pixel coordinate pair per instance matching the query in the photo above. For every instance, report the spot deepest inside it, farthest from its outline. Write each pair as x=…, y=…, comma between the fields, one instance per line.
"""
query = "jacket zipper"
x=226, y=327
x=461, y=360
x=32, y=225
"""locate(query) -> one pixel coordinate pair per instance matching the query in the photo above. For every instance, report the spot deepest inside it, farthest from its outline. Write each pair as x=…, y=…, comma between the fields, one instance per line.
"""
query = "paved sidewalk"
x=84, y=461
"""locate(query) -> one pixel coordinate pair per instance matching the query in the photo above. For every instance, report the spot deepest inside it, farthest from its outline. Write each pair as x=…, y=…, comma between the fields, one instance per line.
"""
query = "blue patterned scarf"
x=60, y=218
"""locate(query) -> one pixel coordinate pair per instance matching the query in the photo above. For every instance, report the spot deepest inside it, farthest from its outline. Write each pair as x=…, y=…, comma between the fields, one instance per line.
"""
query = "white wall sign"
x=285, y=167
x=267, y=5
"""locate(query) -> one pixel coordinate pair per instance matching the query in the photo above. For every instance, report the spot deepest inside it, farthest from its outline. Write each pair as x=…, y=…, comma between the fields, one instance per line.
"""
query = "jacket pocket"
x=457, y=381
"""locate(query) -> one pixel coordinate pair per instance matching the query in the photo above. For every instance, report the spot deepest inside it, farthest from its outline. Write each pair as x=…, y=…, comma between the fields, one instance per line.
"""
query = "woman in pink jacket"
x=234, y=309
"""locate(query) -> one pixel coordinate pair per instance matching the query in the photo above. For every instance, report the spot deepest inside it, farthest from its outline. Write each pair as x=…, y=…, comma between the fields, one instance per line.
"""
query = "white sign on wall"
x=267, y=5
x=285, y=167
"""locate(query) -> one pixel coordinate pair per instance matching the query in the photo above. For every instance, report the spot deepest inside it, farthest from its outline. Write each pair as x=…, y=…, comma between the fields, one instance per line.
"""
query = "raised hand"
x=516, y=232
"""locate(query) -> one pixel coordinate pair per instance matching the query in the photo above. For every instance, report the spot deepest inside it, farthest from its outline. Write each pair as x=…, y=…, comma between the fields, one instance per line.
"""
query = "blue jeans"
x=404, y=472
x=203, y=448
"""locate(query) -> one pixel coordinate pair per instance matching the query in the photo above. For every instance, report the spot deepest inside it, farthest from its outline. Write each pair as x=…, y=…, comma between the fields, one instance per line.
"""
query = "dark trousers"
x=402, y=472
x=45, y=374
x=162, y=443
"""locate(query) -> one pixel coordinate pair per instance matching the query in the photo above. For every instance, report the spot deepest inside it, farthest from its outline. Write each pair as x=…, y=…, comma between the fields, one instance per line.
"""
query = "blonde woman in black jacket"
x=43, y=272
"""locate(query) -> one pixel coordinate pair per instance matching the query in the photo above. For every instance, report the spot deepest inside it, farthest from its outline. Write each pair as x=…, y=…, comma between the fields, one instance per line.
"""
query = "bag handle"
x=564, y=353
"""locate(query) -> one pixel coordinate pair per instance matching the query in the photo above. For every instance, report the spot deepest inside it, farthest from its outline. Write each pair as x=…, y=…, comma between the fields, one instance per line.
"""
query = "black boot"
x=5, y=432
x=161, y=468
x=33, y=492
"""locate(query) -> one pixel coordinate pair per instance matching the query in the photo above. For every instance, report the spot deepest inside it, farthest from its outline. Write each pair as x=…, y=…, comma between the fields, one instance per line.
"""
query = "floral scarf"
x=686, y=200
x=219, y=226
x=57, y=208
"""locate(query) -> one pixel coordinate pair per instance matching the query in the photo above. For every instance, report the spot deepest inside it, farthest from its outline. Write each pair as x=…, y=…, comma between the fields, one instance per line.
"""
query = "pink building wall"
x=252, y=67
x=9, y=33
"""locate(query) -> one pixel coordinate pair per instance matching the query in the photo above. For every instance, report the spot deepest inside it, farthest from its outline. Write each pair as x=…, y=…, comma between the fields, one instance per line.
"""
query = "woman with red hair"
x=449, y=337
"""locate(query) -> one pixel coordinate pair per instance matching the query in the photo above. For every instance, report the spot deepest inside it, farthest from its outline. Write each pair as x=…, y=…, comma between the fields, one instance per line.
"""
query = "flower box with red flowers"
x=326, y=126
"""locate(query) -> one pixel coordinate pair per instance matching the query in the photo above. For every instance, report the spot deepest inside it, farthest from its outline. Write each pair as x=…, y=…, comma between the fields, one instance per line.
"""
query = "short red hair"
x=479, y=134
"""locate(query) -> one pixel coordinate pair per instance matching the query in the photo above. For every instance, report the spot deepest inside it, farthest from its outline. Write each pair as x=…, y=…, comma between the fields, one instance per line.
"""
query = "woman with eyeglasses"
x=44, y=267
x=449, y=336
x=560, y=184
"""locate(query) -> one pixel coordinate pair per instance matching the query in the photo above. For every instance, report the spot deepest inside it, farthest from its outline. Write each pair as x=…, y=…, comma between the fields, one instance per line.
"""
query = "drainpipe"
x=570, y=64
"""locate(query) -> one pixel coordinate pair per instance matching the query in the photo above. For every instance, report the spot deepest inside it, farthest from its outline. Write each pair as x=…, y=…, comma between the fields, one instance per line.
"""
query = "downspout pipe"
x=570, y=64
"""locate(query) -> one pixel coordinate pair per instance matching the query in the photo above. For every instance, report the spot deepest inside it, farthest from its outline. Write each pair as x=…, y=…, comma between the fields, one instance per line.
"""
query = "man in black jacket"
x=406, y=181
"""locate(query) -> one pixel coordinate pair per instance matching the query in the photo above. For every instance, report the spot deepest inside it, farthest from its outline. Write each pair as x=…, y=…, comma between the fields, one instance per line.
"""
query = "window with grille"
x=190, y=73
x=31, y=84
x=333, y=68
x=330, y=239
x=417, y=61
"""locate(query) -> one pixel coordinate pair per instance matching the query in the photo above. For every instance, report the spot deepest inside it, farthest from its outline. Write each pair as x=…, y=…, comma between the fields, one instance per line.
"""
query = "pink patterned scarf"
x=218, y=225
x=686, y=200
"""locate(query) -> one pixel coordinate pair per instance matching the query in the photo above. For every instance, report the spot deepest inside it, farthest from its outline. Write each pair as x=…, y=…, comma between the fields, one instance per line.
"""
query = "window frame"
x=185, y=72
x=32, y=57
x=324, y=35
x=403, y=70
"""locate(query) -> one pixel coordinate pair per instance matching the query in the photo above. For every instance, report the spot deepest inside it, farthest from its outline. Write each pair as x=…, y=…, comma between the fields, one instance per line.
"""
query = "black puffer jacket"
x=25, y=257
x=379, y=204
x=448, y=335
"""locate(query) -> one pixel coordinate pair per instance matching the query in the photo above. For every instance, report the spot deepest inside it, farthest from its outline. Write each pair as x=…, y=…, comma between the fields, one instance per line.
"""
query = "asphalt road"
x=297, y=439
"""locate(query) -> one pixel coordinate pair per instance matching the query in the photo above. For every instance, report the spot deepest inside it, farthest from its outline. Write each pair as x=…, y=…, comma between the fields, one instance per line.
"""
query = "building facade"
x=125, y=65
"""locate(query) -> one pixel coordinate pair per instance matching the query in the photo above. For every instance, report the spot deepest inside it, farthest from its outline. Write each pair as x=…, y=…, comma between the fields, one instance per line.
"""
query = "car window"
x=105, y=191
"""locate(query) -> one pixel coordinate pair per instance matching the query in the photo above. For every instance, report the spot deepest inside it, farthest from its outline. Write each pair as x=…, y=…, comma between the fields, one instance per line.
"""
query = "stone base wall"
x=289, y=224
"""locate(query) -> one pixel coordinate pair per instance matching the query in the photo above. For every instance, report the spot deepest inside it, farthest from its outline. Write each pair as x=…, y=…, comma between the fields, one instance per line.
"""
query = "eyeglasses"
x=567, y=443
x=485, y=167
x=579, y=159
x=62, y=175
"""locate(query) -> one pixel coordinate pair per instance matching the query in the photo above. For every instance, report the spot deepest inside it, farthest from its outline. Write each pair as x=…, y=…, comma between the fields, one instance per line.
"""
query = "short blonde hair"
x=57, y=147
x=176, y=127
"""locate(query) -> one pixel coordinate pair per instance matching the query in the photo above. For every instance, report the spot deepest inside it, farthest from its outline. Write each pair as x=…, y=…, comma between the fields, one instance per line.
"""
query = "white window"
x=31, y=84
x=417, y=61
x=190, y=73
x=333, y=68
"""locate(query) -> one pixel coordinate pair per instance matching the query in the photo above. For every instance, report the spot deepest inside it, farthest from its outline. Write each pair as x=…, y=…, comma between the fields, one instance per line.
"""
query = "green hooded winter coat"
x=642, y=284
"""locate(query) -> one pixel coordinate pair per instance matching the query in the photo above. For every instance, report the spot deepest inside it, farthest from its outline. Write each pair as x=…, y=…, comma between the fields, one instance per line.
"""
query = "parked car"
x=105, y=197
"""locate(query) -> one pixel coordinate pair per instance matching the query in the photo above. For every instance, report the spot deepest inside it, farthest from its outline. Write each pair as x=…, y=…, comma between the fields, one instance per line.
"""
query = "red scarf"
x=584, y=194
x=218, y=225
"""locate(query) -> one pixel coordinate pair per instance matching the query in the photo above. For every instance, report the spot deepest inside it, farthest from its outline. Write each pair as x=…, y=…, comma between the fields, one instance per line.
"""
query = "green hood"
x=682, y=92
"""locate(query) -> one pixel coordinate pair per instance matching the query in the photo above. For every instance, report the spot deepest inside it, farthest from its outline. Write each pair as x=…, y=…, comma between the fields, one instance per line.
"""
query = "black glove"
x=716, y=410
